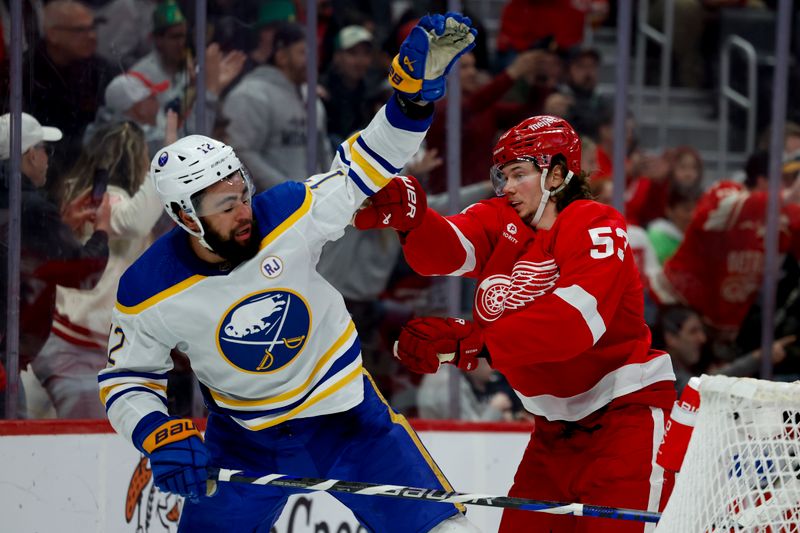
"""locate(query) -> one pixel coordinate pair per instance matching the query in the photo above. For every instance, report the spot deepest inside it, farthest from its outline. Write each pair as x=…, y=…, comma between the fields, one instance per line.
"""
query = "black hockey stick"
x=432, y=495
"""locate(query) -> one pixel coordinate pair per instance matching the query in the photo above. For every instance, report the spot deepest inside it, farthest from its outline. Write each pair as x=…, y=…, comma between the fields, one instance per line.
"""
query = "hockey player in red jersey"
x=559, y=311
x=719, y=266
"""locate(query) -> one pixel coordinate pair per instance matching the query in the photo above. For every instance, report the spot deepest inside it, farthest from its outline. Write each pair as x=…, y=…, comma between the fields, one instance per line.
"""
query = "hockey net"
x=742, y=467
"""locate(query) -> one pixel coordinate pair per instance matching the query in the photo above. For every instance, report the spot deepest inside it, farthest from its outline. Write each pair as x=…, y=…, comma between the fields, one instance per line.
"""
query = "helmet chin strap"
x=199, y=234
x=546, y=194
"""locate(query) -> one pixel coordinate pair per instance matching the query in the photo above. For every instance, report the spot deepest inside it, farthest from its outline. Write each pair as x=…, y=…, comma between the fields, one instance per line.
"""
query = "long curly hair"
x=577, y=188
x=119, y=148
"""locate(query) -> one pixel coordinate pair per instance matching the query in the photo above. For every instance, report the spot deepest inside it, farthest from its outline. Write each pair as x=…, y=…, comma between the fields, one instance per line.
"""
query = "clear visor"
x=225, y=195
x=500, y=178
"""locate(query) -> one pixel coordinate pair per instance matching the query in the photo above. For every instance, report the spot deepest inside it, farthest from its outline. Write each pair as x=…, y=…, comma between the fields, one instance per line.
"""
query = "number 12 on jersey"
x=604, y=243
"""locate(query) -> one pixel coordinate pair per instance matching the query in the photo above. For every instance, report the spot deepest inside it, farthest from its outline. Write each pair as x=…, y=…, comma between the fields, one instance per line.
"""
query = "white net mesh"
x=742, y=467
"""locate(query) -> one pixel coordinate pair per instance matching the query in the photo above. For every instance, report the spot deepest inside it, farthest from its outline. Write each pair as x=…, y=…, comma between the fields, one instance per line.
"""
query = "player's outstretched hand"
x=428, y=54
x=401, y=204
x=426, y=341
x=178, y=458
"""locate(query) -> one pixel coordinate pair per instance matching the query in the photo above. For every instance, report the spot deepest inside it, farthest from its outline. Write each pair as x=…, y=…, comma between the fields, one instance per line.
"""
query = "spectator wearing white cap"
x=50, y=253
x=345, y=81
x=35, y=156
x=132, y=96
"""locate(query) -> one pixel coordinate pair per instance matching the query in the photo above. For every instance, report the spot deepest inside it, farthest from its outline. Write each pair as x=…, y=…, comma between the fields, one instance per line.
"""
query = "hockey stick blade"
x=431, y=495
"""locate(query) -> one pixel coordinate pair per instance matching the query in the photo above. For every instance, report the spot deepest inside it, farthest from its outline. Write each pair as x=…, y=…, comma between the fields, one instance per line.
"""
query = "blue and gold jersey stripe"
x=346, y=380
x=364, y=165
x=114, y=384
x=289, y=221
x=163, y=295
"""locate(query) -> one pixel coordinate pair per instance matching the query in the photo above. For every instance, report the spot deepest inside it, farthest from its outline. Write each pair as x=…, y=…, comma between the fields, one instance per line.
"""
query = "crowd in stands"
x=107, y=83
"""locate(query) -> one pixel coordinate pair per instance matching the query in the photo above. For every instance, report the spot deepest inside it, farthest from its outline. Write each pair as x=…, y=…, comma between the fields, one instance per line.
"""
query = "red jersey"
x=561, y=309
x=719, y=265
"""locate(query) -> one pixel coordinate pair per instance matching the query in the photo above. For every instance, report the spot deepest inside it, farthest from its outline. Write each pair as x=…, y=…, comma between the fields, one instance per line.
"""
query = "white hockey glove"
x=428, y=53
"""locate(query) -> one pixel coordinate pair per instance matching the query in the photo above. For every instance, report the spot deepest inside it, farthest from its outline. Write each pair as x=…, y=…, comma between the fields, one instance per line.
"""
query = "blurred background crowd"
x=106, y=83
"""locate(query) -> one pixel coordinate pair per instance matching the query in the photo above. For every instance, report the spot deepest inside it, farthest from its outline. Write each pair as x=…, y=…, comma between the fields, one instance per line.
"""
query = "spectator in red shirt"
x=648, y=191
x=719, y=265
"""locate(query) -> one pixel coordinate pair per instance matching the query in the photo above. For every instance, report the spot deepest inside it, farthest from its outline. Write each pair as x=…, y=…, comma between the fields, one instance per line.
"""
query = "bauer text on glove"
x=401, y=204
x=178, y=458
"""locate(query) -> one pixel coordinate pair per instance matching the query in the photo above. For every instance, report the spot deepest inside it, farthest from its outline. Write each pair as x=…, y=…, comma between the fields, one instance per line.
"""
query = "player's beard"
x=231, y=250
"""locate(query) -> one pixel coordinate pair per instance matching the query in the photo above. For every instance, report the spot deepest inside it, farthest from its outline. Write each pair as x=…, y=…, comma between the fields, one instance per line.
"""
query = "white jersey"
x=269, y=340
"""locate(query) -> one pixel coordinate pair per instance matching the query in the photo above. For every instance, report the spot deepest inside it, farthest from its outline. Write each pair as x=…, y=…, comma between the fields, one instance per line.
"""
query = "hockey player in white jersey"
x=271, y=342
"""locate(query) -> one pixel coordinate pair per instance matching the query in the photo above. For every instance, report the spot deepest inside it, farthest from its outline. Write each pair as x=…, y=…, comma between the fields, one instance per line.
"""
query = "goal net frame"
x=742, y=466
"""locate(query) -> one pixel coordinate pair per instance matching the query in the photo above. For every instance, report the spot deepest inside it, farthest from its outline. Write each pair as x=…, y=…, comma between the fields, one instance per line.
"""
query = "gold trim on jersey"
x=163, y=295
x=225, y=401
x=371, y=172
x=401, y=420
x=106, y=391
x=356, y=372
x=289, y=222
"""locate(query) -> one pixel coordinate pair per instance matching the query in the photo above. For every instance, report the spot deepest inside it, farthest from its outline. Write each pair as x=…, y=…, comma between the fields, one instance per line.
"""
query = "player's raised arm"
x=367, y=161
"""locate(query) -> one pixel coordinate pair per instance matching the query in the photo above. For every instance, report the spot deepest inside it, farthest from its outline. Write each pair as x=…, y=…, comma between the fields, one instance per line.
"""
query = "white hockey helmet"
x=186, y=167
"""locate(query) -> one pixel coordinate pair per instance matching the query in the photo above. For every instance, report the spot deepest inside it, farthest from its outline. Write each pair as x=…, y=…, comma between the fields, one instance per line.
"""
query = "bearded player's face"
x=230, y=231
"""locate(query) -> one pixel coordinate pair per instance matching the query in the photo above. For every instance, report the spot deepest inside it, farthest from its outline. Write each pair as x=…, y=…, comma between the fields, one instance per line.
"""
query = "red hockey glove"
x=426, y=341
x=400, y=205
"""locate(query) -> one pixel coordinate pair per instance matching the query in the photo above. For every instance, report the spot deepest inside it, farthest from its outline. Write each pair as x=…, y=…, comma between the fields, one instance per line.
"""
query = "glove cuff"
x=168, y=432
x=416, y=110
x=402, y=80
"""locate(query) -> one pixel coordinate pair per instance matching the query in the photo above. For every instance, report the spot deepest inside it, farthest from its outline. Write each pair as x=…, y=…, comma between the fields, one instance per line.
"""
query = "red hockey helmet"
x=539, y=139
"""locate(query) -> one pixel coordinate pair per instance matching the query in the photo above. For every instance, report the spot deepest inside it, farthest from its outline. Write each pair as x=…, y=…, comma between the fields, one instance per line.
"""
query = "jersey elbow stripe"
x=112, y=381
x=342, y=155
x=469, y=250
x=362, y=160
x=118, y=395
x=377, y=158
x=586, y=305
x=111, y=389
x=163, y=295
x=351, y=173
x=152, y=376
x=289, y=222
x=364, y=169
